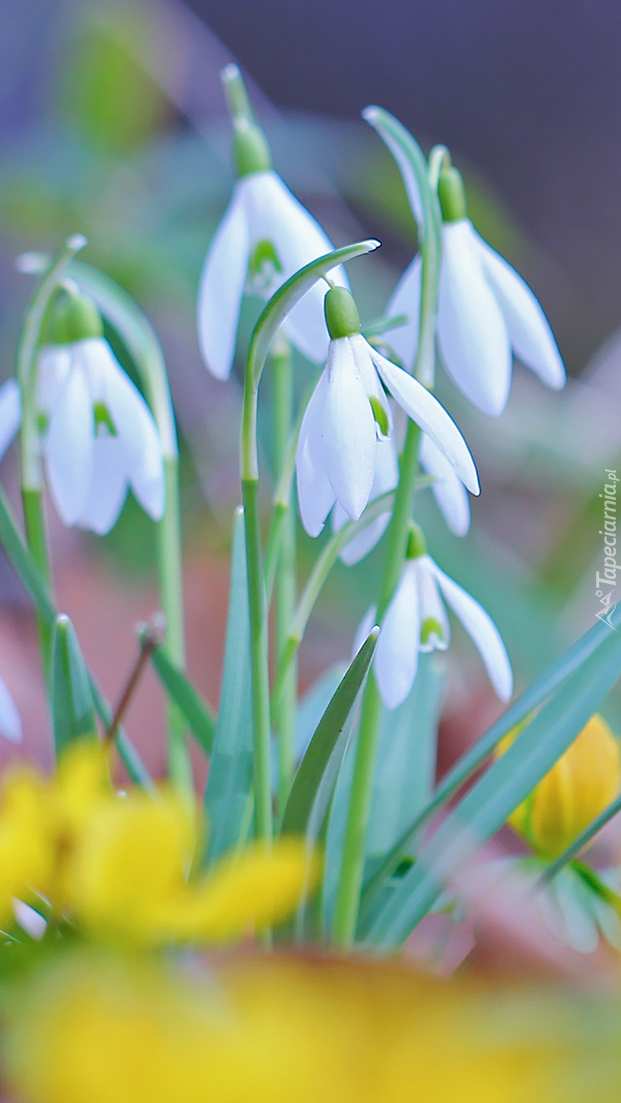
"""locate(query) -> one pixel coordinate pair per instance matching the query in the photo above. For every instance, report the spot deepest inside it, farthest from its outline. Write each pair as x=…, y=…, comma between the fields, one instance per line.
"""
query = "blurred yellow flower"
x=105, y=1029
x=121, y=864
x=579, y=786
x=130, y=876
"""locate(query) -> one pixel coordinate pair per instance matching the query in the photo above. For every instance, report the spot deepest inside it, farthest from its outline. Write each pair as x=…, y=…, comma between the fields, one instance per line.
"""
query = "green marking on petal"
x=103, y=419
x=380, y=415
x=431, y=627
x=264, y=263
x=417, y=545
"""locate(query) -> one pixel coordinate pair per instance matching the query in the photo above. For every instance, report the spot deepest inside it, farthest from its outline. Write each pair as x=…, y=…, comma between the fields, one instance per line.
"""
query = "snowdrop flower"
x=100, y=437
x=448, y=491
x=265, y=237
x=486, y=312
x=349, y=417
x=416, y=620
x=10, y=413
x=10, y=723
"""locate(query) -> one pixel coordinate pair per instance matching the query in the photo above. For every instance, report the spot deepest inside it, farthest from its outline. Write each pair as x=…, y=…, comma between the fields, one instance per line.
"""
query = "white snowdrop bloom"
x=486, y=312
x=349, y=415
x=10, y=413
x=10, y=723
x=416, y=620
x=266, y=236
x=448, y=490
x=100, y=438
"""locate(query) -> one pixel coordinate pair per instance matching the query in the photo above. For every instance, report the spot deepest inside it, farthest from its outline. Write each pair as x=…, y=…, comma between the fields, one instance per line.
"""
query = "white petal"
x=134, y=425
x=222, y=287
x=426, y=411
x=109, y=485
x=54, y=364
x=275, y=215
x=396, y=654
x=349, y=441
x=371, y=382
x=431, y=607
x=10, y=413
x=10, y=723
x=69, y=446
x=406, y=300
x=448, y=490
x=472, y=334
x=482, y=630
x=405, y=168
x=315, y=495
x=529, y=330
x=386, y=477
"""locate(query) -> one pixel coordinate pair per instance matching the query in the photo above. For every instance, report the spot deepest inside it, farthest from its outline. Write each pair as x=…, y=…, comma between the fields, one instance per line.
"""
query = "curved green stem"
x=31, y=470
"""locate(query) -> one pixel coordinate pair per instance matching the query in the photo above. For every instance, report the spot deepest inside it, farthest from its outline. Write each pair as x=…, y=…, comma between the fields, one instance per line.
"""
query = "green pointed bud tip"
x=76, y=318
x=251, y=152
x=380, y=415
x=431, y=627
x=452, y=195
x=342, y=316
x=417, y=545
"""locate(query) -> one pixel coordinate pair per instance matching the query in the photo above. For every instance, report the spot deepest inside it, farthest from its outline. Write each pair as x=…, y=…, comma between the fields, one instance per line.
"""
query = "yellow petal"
x=253, y=890
x=82, y=782
x=26, y=838
x=132, y=861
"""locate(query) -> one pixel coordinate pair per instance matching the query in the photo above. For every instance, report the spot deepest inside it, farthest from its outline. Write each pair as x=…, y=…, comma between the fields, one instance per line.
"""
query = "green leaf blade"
x=229, y=783
x=73, y=709
x=179, y=688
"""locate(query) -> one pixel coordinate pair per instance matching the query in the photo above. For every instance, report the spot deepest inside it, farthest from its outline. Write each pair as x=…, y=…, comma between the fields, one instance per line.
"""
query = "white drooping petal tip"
x=230, y=71
x=10, y=723
x=31, y=264
x=77, y=242
x=482, y=631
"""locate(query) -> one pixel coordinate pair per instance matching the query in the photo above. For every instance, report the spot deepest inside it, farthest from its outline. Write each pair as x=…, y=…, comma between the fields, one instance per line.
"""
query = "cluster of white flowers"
x=347, y=452
x=99, y=439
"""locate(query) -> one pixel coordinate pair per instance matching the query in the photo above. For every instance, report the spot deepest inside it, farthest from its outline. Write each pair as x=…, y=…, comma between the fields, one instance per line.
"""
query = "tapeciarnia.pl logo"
x=605, y=584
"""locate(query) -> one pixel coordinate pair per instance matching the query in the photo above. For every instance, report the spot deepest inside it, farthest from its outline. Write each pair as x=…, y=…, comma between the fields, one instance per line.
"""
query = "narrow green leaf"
x=314, y=703
x=487, y=805
x=73, y=711
x=406, y=757
x=550, y=680
x=196, y=711
x=308, y=778
x=289, y=294
x=230, y=774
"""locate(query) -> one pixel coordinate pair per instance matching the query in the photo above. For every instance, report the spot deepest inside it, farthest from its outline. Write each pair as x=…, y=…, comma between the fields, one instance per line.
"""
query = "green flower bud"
x=75, y=318
x=417, y=544
x=251, y=152
x=342, y=316
x=452, y=195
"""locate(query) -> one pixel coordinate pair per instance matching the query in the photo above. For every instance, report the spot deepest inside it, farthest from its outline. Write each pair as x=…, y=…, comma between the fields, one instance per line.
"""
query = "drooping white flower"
x=447, y=489
x=101, y=438
x=349, y=416
x=486, y=312
x=10, y=722
x=10, y=413
x=416, y=620
x=266, y=236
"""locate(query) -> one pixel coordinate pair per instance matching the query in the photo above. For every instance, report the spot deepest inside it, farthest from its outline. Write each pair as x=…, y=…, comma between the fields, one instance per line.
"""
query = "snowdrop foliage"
x=266, y=236
x=100, y=438
x=486, y=312
x=349, y=415
x=416, y=620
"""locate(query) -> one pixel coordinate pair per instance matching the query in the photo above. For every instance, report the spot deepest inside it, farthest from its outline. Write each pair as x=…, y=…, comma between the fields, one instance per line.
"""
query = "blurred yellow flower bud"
x=577, y=788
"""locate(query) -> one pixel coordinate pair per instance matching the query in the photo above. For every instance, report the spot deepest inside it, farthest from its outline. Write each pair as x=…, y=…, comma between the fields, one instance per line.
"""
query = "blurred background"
x=112, y=123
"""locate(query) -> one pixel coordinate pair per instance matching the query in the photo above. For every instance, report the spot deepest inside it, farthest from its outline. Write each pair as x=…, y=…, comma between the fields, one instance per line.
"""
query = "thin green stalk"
x=259, y=644
x=352, y=863
x=583, y=839
x=170, y=573
x=31, y=469
x=284, y=715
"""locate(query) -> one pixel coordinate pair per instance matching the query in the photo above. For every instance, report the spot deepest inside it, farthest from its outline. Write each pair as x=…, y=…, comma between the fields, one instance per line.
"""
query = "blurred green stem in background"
x=352, y=863
x=31, y=471
x=284, y=717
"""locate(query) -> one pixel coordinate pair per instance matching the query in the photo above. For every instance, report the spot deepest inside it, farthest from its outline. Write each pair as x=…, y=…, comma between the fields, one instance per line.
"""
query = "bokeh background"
x=112, y=123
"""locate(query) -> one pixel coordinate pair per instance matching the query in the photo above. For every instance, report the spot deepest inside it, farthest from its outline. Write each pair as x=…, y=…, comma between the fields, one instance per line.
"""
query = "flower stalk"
x=352, y=864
